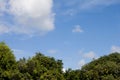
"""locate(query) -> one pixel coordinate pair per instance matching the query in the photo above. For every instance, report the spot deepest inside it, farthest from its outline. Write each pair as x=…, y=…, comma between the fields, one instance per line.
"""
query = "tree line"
x=41, y=67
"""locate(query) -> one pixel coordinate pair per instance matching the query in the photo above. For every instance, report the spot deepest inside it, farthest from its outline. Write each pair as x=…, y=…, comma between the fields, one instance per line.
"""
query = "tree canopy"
x=41, y=67
x=104, y=68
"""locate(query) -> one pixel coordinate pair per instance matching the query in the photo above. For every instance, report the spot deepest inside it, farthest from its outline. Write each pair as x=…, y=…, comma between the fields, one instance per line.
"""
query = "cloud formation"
x=115, y=49
x=95, y=3
x=90, y=55
x=27, y=16
x=81, y=63
x=77, y=29
x=76, y=6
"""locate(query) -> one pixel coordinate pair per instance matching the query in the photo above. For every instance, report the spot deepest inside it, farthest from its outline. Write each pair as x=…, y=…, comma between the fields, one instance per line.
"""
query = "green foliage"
x=52, y=75
x=103, y=68
x=7, y=61
x=6, y=57
x=41, y=67
x=72, y=74
x=36, y=68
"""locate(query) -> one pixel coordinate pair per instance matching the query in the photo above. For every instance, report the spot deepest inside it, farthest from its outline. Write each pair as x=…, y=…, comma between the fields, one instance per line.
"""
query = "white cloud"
x=90, y=55
x=77, y=29
x=95, y=3
x=81, y=63
x=81, y=5
x=86, y=57
x=52, y=51
x=64, y=70
x=115, y=49
x=29, y=16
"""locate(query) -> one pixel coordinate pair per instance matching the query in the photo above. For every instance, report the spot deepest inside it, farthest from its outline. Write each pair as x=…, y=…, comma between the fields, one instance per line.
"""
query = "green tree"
x=40, y=65
x=7, y=61
x=103, y=68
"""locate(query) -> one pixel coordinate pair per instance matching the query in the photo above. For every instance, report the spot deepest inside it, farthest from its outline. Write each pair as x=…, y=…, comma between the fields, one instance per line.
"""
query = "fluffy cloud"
x=28, y=16
x=115, y=49
x=77, y=29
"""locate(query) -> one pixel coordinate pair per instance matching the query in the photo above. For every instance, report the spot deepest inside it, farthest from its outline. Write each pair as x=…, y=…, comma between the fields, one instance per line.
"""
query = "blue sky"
x=75, y=31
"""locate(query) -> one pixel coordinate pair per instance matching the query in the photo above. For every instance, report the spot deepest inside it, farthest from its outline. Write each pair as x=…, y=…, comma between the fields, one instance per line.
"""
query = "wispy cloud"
x=85, y=57
x=76, y=6
x=27, y=17
x=115, y=49
x=52, y=51
x=70, y=12
x=77, y=29
x=81, y=63
x=89, y=55
x=86, y=4
x=4, y=29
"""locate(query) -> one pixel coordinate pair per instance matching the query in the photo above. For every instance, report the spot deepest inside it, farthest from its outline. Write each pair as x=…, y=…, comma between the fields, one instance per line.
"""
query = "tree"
x=7, y=61
x=40, y=65
x=103, y=68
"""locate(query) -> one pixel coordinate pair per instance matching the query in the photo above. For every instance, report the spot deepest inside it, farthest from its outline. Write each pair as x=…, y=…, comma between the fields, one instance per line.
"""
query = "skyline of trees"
x=41, y=67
